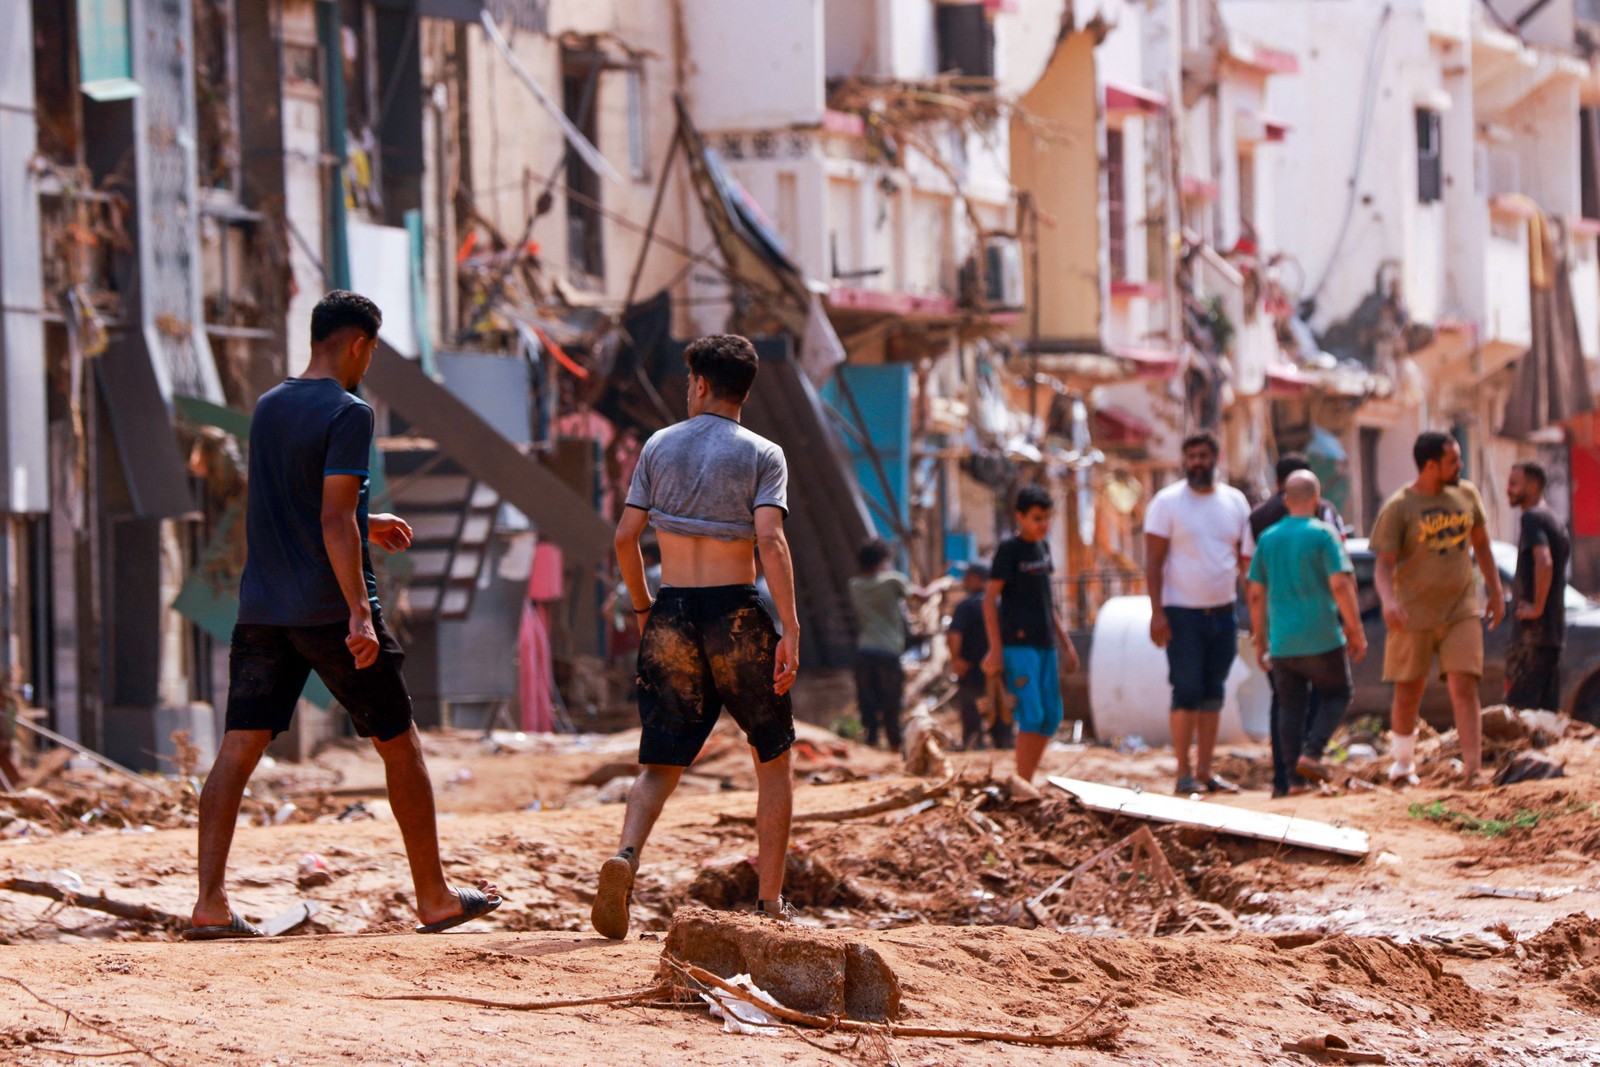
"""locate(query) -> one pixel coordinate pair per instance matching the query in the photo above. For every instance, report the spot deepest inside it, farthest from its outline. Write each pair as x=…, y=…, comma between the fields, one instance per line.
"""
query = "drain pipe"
x=330, y=36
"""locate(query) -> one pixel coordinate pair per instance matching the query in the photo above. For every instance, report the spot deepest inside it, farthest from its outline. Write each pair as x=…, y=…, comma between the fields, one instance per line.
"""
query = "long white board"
x=1217, y=816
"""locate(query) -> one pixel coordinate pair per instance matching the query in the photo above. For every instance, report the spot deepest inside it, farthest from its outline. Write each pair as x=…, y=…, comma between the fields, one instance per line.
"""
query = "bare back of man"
x=715, y=493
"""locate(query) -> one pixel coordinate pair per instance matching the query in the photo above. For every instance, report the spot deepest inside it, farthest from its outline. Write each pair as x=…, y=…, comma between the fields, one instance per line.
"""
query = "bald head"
x=1301, y=491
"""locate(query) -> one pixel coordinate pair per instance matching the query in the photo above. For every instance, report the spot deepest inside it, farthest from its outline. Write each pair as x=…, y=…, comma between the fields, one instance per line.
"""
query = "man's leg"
x=1469, y=722
x=411, y=798
x=774, y=813
x=1221, y=646
x=1280, y=759
x=219, y=813
x=1030, y=750
x=867, y=697
x=1331, y=691
x=645, y=800
x=894, y=700
x=1403, y=726
x=1182, y=721
x=1292, y=688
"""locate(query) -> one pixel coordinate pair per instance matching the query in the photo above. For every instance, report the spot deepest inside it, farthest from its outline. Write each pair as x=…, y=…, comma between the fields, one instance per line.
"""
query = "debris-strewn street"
x=1464, y=938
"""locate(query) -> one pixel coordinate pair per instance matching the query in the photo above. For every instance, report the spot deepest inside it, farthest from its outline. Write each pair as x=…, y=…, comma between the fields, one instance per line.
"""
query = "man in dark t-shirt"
x=1533, y=663
x=1020, y=620
x=308, y=602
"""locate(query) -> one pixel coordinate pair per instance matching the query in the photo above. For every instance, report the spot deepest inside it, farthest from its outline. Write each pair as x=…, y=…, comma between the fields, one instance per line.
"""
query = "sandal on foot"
x=474, y=905
x=234, y=929
x=609, y=915
x=1218, y=784
x=1187, y=786
x=780, y=910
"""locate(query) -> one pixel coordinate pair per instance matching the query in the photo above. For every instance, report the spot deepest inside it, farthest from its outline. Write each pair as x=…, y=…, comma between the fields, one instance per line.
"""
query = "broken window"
x=1589, y=139
x=1430, y=159
x=580, y=87
x=1116, y=207
x=966, y=40
x=215, y=95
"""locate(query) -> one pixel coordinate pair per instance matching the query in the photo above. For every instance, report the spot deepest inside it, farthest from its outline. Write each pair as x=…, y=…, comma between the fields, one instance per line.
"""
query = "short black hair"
x=727, y=362
x=1290, y=462
x=1201, y=437
x=976, y=568
x=871, y=553
x=1431, y=445
x=341, y=310
x=1530, y=469
x=1033, y=496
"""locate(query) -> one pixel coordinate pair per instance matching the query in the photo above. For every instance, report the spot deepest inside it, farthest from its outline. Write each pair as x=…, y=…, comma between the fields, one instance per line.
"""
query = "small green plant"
x=1522, y=819
x=848, y=727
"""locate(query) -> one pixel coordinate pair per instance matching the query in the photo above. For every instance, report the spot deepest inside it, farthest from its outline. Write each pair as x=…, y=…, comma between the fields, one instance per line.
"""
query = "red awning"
x=1132, y=98
x=1114, y=426
x=1285, y=379
x=1149, y=362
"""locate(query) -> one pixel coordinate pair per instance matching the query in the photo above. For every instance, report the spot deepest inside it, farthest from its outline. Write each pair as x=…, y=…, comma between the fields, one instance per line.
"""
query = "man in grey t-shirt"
x=713, y=490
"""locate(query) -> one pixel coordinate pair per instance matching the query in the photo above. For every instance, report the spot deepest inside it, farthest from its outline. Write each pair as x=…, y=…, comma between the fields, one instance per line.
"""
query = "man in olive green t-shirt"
x=1426, y=539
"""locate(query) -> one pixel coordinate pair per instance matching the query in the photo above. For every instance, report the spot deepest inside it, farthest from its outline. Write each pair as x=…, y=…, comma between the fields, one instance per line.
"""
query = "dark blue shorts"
x=1200, y=655
x=268, y=667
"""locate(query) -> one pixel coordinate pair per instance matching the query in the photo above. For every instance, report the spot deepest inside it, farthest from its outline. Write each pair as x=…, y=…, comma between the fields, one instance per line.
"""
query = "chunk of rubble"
x=810, y=970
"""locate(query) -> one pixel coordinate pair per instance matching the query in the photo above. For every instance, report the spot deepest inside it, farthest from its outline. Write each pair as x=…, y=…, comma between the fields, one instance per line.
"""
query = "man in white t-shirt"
x=1193, y=533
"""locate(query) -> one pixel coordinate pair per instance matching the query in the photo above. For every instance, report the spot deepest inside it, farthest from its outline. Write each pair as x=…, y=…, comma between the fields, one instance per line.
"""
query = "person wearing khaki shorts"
x=1427, y=539
x=1409, y=654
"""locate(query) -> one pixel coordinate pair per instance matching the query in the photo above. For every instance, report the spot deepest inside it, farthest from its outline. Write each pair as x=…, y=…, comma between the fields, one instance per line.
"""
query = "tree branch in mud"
x=902, y=800
x=137, y=912
x=1064, y=1038
x=638, y=997
x=133, y=1046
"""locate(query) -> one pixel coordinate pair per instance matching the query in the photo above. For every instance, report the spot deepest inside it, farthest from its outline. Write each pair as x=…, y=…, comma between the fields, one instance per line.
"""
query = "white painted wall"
x=756, y=63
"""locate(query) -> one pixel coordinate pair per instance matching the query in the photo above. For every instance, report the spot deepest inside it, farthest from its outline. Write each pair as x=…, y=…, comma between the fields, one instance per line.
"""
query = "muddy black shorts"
x=268, y=667
x=704, y=649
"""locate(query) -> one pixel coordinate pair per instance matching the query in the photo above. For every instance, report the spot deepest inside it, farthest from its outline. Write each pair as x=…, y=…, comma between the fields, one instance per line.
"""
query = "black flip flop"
x=474, y=905
x=235, y=928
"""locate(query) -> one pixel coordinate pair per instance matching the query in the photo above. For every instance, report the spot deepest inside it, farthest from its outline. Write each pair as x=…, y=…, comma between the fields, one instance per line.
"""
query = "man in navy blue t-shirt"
x=309, y=601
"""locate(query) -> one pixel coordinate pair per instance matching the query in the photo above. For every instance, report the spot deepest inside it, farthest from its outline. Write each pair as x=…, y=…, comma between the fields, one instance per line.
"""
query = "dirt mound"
x=1569, y=944
x=1409, y=972
x=806, y=969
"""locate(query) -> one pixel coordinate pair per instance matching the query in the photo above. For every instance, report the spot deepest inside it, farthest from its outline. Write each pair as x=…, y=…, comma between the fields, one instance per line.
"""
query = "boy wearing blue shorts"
x=1019, y=614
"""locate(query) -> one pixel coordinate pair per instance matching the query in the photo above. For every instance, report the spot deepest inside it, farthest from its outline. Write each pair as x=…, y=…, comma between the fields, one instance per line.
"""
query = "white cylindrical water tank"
x=1129, y=694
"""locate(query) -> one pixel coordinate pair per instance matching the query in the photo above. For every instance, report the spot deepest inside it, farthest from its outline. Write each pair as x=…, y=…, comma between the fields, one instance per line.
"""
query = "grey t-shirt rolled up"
x=706, y=476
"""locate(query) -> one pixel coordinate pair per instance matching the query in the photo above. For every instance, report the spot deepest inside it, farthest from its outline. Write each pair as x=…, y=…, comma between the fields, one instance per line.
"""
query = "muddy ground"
x=1399, y=954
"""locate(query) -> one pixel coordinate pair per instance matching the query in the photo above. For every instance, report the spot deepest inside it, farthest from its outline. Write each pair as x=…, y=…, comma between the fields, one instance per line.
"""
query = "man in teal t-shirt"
x=1301, y=588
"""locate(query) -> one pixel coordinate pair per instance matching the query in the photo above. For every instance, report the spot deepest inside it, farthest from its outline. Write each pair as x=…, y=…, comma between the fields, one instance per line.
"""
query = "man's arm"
x=780, y=581
x=952, y=642
x=630, y=561
x=1544, y=576
x=1394, y=615
x=1155, y=563
x=1069, y=653
x=1495, y=610
x=1343, y=586
x=1257, y=596
x=341, y=536
x=993, y=662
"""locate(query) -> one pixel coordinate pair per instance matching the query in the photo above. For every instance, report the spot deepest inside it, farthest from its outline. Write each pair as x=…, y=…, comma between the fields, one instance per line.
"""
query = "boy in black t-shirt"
x=968, y=641
x=1020, y=618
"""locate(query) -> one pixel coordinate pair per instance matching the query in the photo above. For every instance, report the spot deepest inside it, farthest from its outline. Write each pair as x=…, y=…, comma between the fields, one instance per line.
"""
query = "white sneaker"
x=1401, y=775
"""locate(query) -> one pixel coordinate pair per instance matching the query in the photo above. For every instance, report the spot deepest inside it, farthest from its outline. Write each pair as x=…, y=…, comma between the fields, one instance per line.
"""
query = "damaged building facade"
x=978, y=244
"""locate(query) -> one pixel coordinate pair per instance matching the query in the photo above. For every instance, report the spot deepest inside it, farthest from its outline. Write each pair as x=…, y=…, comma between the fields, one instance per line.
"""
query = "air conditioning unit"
x=1002, y=273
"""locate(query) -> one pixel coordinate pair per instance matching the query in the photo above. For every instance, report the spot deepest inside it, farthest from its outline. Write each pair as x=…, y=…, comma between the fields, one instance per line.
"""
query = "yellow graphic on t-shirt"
x=1441, y=530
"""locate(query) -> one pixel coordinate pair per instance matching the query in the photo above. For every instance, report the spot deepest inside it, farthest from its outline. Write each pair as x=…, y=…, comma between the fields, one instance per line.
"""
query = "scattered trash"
x=1334, y=1048
x=313, y=871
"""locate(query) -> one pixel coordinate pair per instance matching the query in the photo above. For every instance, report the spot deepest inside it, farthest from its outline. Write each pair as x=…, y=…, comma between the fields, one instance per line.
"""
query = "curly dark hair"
x=1430, y=445
x=873, y=552
x=342, y=310
x=727, y=362
x=1202, y=438
x=1033, y=496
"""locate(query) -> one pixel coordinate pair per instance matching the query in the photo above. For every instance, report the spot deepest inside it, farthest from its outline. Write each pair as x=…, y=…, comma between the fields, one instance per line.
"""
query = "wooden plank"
x=1217, y=816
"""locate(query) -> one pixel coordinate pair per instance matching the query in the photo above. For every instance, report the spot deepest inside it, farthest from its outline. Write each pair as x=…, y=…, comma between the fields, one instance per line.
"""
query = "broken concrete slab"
x=809, y=970
x=1216, y=816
